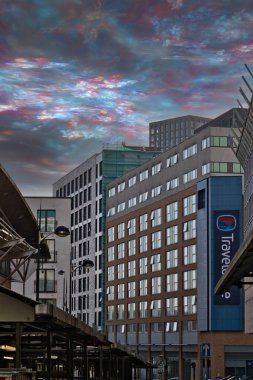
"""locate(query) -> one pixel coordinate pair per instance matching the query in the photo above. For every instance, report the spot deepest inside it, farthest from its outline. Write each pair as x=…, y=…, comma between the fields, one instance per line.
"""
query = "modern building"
x=86, y=186
x=50, y=281
x=162, y=255
x=239, y=272
x=165, y=134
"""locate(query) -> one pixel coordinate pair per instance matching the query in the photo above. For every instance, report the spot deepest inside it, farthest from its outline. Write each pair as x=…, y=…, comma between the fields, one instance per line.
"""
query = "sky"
x=78, y=74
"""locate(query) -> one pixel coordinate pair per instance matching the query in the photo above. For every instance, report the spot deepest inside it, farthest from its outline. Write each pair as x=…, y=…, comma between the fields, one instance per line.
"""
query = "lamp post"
x=87, y=263
x=43, y=252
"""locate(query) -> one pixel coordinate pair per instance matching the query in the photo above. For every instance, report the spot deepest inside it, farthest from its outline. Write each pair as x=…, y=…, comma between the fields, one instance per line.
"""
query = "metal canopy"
x=241, y=266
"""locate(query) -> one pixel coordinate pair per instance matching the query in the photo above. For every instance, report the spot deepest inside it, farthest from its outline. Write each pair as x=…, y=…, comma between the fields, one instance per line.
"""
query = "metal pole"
x=37, y=283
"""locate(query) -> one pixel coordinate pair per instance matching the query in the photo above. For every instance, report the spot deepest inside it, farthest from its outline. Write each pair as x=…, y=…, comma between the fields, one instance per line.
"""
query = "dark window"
x=46, y=220
x=80, y=181
x=89, y=176
x=84, y=178
x=72, y=186
x=201, y=199
x=47, y=280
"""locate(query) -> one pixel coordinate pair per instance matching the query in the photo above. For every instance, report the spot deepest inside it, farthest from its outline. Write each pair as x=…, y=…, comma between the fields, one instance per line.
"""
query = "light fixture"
x=61, y=231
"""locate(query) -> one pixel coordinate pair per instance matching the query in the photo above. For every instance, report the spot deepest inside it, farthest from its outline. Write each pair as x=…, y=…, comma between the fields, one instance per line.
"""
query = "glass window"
x=121, y=186
x=121, y=251
x=110, y=253
x=121, y=230
x=155, y=262
x=143, y=309
x=172, y=235
x=110, y=293
x=121, y=291
x=171, y=326
x=131, y=226
x=171, y=306
x=172, y=184
x=110, y=312
x=131, y=247
x=172, y=259
x=172, y=211
x=143, y=222
x=190, y=254
x=156, y=191
x=132, y=202
x=190, y=305
x=143, y=265
x=156, y=239
x=121, y=207
x=143, y=175
x=190, y=151
x=143, y=244
x=51, y=247
x=143, y=287
x=131, y=310
x=190, y=279
x=131, y=268
x=205, y=169
x=131, y=289
x=46, y=220
x=156, y=217
x=143, y=197
x=190, y=205
x=120, y=311
x=155, y=307
x=156, y=285
x=47, y=280
x=111, y=211
x=110, y=235
x=121, y=271
x=110, y=273
x=189, y=230
x=172, y=160
x=172, y=282
x=132, y=181
x=111, y=192
x=190, y=176
x=156, y=168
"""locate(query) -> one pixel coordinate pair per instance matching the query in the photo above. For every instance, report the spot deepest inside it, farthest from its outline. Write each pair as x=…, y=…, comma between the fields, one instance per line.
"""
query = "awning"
x=240, y=268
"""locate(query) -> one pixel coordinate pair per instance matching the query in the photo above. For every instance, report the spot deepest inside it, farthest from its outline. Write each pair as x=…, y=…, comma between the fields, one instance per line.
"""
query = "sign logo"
x=226, y=223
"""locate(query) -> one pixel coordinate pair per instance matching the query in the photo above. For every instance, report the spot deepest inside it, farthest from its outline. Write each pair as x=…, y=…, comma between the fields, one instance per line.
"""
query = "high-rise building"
x=166, y=250
x=86, y=186
x=165, y=134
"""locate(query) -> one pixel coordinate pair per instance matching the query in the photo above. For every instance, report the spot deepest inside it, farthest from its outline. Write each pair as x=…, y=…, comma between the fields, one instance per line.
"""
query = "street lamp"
x=43, y=253
x=86, y=263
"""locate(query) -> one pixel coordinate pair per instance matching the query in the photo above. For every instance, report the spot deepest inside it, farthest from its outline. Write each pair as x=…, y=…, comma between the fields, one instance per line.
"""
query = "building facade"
x=86, y=186
x=51, y=282
x=165, y=134
x=161, y=253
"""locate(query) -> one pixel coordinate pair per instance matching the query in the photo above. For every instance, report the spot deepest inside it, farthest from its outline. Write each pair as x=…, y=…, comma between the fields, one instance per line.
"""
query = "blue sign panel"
x=205, y=350
x=226, y=243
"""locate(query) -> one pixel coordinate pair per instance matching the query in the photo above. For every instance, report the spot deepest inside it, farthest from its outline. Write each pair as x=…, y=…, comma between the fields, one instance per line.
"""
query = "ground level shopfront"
x=43, y=341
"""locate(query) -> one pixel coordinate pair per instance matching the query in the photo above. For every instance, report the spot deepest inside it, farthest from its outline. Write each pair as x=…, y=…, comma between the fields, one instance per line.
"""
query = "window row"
x=187, y=325
x=153, y=308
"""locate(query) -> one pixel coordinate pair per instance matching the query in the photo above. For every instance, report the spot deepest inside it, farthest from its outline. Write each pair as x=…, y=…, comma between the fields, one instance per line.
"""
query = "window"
x=190, y=306
x=190, y=205
x=131, y=268
x=110, y=312
x=172, y=259
x=171, y=327
x=143, y=244
x=155, y=308
x=131, y=247
x=156, y=239
x=143, y=197
x=190, y=254
x=155, y=262
x=190, y=151
x=110, y=235
x=110, y=273
x=218, y=141
x=131, y=226
x=171, y=306
x=201, y=199
x=190, y=280
x=46, y=220
x=143, y=265
x=219, y=167
x=172, y=282
x=143, y=175
x=172, y=235
x=120, y=311
x=156, y=217
x=143, y=309
x=47, y=280
x=110, y=253
x=237, y=168
x=172, y=211
x=172, y=160
x=205, y=169
x=143, y=222
x=143, y=287
x=121, y=271
x=111, y=211
x=131, y=310
x=121, y=186
x=121, y=207
x=132, y=181
x=189, y=230
x=132, y=202
x=51, y=247
x=156, y=168
x=156, y=191
x=121, y=291
x=121, y=251
x=110, y=293
x=172, y=184
x=190, y=176
x=121, y=230
x=131, y=289
x=156, y=285
x=111, y=192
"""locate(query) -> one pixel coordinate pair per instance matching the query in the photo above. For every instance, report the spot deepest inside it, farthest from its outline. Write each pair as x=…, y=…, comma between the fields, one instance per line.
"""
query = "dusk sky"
x=77, y=74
